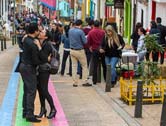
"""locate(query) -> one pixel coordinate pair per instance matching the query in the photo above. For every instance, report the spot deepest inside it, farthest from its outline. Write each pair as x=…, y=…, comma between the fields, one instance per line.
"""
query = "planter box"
x=152, y=93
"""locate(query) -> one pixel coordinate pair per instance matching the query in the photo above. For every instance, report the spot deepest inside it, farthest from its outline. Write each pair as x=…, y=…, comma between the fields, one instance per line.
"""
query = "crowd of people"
x=85, y=47
x=138, y=40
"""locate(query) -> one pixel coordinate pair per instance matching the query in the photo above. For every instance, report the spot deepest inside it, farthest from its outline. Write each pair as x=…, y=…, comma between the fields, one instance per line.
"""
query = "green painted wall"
x=127, y=20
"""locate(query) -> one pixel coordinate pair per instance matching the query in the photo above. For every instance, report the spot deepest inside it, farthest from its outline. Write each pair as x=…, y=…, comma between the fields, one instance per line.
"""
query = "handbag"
x=44, y=67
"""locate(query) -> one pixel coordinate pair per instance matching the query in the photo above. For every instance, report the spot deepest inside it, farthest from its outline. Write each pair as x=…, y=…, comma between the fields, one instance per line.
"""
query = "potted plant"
x=148, y=70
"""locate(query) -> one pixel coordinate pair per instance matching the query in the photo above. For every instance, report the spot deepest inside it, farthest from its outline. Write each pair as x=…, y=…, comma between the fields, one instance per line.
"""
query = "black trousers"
x=88, y=55
x=155, y=56
x=66, y=54
x=161, y=57
x=29, y=77
x=42, y=87
x=98, y=58
x=19, y=42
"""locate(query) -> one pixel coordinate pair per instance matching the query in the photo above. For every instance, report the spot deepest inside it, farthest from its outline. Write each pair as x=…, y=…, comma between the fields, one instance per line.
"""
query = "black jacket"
x=46, y=51
x=55, y=36
x=162, y=30
x=30, y=52
x=112, y=51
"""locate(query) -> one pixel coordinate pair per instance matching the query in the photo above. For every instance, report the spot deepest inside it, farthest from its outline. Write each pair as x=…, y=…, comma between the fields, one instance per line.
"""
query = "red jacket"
x=95, y=37
x=86, y=31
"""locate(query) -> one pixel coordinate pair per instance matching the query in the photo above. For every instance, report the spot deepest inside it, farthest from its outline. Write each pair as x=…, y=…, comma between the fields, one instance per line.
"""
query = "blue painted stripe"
x=6, y=110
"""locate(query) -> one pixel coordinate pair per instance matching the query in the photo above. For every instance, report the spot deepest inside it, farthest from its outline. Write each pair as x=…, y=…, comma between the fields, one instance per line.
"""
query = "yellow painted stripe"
x=45, y=121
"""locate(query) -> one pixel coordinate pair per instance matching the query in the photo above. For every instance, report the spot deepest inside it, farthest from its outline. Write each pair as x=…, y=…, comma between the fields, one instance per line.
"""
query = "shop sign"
x=109, y=2
x=119, y=4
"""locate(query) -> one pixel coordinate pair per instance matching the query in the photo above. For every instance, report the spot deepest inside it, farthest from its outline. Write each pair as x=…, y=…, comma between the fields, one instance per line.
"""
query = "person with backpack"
x=43, y=76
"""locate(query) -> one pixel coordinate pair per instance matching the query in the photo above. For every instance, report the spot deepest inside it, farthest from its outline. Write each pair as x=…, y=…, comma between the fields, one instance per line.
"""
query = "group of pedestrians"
x=86, y=47
x=138, y=43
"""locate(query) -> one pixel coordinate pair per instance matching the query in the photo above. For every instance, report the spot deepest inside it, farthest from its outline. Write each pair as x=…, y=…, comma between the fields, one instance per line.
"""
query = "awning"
x=51, y=4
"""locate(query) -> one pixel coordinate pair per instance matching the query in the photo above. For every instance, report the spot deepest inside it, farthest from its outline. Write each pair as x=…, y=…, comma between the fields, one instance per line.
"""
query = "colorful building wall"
x=127, y=20
x=64, y=9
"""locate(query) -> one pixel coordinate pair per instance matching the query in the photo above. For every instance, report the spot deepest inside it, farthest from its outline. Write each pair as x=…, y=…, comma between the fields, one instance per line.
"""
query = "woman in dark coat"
x=43, y=76
x=135, y=36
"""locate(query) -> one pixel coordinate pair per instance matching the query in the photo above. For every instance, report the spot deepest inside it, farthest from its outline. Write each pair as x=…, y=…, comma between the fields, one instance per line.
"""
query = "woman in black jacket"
x=111, y=45
x=135, y=36
x=43, y=76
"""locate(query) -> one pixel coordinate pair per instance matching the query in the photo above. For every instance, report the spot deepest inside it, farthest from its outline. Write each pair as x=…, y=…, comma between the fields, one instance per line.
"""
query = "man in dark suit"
x=29, y=62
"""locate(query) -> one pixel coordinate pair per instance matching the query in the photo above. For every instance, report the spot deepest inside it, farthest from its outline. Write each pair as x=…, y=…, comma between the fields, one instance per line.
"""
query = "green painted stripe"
x=19, y=120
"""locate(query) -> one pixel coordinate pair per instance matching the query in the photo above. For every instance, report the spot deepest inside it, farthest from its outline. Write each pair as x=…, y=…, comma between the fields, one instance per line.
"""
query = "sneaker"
x=86, y=85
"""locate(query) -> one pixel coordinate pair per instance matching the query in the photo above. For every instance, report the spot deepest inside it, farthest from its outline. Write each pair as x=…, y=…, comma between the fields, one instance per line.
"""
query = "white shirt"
x=141, y=44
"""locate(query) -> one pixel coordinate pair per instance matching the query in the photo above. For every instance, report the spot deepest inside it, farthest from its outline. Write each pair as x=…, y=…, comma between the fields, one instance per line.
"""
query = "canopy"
x=51, y=4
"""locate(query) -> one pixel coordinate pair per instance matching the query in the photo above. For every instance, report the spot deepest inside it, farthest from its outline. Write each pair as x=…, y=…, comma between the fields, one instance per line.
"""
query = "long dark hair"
x=138, y=25
x=66, y=29
x=48, y=35
x=142, y=30
x=153, y=24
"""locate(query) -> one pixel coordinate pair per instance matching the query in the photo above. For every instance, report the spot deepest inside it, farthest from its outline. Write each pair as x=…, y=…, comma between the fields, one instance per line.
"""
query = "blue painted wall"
x=64, y=9
x=92, y=9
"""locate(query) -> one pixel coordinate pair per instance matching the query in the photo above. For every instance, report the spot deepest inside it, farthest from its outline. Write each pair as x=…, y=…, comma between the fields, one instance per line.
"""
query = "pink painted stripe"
x=60, y=119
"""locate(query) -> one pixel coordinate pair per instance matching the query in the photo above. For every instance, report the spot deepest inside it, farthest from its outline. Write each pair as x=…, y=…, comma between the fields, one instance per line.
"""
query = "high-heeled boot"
x=52, y=114
x=43, y=111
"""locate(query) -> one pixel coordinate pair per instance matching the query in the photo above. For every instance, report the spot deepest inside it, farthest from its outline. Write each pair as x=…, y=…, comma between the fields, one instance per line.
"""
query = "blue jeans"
x=112, y=61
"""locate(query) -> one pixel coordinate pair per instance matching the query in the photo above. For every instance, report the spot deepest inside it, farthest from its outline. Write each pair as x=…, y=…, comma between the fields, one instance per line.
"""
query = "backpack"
x=55, y=61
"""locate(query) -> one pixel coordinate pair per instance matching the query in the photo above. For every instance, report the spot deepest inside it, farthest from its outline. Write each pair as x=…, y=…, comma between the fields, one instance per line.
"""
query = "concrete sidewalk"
x=9, y=45
x=151, y=113
x=90, y=106
x=85, y=106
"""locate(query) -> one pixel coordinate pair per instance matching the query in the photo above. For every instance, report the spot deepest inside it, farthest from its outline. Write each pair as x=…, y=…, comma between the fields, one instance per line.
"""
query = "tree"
x=149, y=70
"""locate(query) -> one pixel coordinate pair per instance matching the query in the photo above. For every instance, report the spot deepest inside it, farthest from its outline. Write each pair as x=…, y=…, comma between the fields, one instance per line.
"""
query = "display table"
x=129, y=57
